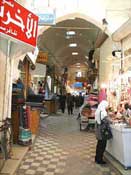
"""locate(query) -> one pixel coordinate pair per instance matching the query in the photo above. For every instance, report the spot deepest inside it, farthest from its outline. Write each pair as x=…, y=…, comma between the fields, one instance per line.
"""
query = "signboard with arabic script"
x=47, y=17
x=42, y=57
x=17, y=22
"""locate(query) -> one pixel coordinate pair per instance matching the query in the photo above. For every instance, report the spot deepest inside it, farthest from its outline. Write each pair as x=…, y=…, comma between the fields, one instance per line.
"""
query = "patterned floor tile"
x=61, y=149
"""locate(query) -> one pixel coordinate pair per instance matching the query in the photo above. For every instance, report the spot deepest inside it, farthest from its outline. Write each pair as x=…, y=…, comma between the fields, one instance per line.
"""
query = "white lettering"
x=2, y=11
x=9, y=3
x=10, y=30
x=21, y=24
x=29, y=26
x=2, y=28
x=18, y=23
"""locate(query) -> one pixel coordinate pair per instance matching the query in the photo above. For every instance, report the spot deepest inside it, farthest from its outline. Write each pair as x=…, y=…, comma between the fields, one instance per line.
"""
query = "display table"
x=51, y=106
x=34, y=120
x=120, y=146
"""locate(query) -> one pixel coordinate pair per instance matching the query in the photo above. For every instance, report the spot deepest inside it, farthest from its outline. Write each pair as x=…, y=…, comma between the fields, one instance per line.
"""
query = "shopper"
x=30, y=89
x=41, y=89
x=70, y=103
x=127, y=110
x=100, y=114
x=62, y=101
x=80, y=99
x=76, y=101
x=20, y=84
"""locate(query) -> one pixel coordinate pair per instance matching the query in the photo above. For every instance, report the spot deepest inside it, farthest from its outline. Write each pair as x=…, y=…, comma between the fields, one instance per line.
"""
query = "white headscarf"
x=101, y=111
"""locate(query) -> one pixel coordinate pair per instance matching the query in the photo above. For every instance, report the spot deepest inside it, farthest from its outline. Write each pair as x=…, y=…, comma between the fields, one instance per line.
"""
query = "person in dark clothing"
x=81, y=99
x=40, y=91
x=20, y=84
x=76, y=101
x=100, y=114
x=62, y=101
x=70, y=103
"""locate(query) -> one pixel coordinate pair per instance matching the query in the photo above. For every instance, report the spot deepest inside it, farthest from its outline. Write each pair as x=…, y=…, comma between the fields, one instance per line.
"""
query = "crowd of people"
x=70, y=101
x=101, y=116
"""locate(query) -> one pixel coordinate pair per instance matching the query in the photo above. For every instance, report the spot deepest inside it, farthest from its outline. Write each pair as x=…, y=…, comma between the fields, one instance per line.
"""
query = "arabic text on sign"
x=18, y=21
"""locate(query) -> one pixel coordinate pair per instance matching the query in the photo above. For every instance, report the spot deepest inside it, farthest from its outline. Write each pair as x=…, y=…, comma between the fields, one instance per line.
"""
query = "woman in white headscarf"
x=100, y=114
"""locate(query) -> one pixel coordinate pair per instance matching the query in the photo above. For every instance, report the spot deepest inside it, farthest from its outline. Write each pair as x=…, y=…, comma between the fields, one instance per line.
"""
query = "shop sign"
x=48, y=17
x=42, y=57
x=78, y=85
x=17, y=22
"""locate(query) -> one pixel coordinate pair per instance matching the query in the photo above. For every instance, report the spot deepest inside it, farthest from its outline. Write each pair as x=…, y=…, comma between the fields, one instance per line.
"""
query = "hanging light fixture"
x=73, y=45
x=74, y=53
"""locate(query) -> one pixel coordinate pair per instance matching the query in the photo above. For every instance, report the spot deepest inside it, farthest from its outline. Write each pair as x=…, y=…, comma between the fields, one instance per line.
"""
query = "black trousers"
x=70, y=110
x=63, y=109
x=100, y=148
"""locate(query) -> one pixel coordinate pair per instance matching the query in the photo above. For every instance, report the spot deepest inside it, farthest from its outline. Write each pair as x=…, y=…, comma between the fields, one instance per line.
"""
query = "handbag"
x=105, y=129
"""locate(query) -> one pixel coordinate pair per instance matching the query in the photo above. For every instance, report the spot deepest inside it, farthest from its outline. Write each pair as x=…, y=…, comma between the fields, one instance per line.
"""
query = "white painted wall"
x=127, y=43
x=40, y=70
x=105, y=65
x=116, y=12
x=5, y=77
x=8, y=72
x=3, y=48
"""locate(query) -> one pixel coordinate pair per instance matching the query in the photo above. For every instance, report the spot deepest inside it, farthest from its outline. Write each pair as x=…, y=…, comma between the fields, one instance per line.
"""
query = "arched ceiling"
x=56, y=42
x=88, y=37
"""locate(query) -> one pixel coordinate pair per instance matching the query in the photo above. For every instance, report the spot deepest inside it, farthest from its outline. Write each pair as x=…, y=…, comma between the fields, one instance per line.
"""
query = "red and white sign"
x=18, y=22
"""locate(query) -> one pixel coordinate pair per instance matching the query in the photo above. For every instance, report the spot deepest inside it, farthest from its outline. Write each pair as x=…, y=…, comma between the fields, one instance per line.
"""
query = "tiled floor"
x=62, y=149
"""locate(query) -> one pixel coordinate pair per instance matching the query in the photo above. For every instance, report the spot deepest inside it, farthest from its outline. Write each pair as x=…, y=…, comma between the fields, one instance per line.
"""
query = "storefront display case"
x=120, y=146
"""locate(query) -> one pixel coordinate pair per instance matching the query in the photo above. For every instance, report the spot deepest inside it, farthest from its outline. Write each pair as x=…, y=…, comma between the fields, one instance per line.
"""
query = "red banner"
x=17, y=22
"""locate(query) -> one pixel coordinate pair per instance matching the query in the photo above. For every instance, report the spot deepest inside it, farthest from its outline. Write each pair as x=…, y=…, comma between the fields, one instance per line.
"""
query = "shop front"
x=17, y=38
x=120, y=146
x=51, y=95
x=119, y=97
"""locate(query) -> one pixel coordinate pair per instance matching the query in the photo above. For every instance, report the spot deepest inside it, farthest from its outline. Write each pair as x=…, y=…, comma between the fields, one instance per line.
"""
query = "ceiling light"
x=70, y=32
x=87, y=57
x=73, y=45
x=78, y=63
x=74, y=53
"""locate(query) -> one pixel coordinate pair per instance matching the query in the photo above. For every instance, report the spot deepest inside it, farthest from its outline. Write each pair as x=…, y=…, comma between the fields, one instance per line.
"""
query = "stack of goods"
x=24, y=128
x=93, y=101
x=87, y=112
x=34, y=120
